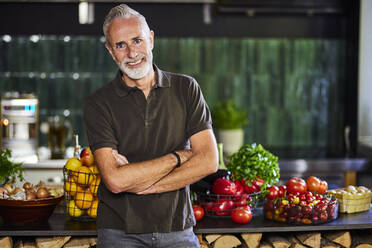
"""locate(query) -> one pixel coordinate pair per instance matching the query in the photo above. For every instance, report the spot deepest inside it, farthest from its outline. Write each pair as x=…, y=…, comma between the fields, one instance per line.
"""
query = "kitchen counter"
x=61, y=225
x=46, y=164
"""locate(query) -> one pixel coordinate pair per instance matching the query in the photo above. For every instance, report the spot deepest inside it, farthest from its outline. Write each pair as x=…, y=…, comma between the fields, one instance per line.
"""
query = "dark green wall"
x=291, y=88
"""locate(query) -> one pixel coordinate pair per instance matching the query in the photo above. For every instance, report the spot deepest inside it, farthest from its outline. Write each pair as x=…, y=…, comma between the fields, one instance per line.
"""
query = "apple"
x=86, y=157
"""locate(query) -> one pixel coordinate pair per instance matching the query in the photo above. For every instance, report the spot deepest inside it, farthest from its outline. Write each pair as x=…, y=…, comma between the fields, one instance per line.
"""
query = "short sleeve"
x=98, y=124
x=198, y=113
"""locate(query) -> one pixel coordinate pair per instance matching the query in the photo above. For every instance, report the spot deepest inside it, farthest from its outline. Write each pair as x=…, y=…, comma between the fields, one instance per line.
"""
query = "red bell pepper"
x=224, y=186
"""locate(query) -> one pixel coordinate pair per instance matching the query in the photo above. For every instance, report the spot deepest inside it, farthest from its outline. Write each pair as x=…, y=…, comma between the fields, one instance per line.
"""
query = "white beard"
x=136, y=73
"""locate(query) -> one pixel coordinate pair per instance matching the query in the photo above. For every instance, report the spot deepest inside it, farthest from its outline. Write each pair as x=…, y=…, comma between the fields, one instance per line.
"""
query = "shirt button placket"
x=154, y=239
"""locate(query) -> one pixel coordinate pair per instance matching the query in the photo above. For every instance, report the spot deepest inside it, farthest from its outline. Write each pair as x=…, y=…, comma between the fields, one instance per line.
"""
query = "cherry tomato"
x=241, y=215
x=323, y=216
x=296, y=185
x=249, y=187
x=198, y=212
x=322, y=187
x=229, y=203
x=241, y=200
x=269, y=205
x=282, y=190
x=258, y=182
x=312, y=184
x=220, y=208
x=273, y=192
x=208, y=207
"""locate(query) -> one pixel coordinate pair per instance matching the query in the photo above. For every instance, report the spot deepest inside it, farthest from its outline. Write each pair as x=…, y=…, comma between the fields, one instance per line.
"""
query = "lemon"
x=73, y=210
x=73, y=164
x=94, y=186
x=83, y=175
x=92, y=211
x=83, y=199
x=70, y=186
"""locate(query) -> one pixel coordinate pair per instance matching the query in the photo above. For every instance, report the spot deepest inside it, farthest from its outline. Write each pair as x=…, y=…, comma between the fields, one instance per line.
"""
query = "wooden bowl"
x=19, y=212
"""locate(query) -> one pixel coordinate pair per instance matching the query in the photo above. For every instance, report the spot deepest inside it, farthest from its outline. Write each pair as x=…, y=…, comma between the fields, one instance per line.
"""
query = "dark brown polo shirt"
x=120, y=117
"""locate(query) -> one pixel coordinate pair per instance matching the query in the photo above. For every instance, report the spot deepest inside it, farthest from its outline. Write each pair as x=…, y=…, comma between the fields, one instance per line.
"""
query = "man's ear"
x=152, y=39
x=109, y=48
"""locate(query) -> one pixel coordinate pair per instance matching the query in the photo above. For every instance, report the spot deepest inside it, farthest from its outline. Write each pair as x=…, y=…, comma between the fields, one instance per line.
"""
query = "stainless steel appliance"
x=19, y=126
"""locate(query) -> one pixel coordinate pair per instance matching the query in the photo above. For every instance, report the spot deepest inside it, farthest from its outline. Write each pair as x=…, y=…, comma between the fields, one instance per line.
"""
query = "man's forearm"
x=191, y=171
x=134, y=177
x=153, y=179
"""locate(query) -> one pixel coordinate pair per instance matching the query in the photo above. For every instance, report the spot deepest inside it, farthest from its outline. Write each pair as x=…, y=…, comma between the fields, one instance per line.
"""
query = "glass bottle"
x=77, y=147
x=221, y=163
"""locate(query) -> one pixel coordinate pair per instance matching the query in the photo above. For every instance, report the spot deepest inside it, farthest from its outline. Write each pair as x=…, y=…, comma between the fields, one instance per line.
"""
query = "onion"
x=42, y=192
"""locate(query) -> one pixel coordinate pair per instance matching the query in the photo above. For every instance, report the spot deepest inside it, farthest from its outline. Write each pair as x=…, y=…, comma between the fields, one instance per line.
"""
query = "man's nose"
x=132, y=52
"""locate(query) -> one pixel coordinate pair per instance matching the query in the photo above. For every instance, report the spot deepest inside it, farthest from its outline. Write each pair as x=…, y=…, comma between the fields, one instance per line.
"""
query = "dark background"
x=329, y=19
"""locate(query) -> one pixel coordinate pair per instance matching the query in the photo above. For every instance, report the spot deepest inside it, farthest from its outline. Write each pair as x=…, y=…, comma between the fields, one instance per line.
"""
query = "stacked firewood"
x=326, y=239
x=49, y=242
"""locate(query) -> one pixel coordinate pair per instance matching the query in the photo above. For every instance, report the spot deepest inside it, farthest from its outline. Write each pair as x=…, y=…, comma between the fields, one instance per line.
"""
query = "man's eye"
x=120, y=45
x=137, y=41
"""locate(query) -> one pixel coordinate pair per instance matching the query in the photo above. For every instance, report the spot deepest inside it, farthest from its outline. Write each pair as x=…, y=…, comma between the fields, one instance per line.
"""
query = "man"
x=151, y=134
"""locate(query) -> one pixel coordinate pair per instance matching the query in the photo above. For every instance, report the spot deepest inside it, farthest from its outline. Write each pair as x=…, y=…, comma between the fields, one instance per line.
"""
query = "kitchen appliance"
x=19, y=126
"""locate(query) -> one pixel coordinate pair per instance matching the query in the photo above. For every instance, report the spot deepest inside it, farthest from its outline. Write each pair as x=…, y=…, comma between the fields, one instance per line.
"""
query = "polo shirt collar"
x=122, y=90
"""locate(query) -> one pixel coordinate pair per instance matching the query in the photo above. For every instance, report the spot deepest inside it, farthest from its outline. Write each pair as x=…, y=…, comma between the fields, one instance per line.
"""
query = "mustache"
x=130, y=60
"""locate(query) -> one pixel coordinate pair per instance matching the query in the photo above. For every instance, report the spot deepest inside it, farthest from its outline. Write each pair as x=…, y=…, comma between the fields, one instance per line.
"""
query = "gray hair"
x=122, y=11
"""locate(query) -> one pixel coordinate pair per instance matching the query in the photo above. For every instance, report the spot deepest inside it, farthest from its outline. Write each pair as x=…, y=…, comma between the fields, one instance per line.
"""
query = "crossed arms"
x=159, y=175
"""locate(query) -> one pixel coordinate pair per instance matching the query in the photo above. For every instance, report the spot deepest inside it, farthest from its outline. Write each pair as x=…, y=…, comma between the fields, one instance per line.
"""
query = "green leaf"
x=9, y=168
x=226, y=115
x=252, y=161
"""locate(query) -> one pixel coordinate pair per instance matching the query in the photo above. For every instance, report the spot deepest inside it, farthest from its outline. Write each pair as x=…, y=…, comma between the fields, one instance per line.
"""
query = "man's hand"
x=202, y=162
x=120, y=159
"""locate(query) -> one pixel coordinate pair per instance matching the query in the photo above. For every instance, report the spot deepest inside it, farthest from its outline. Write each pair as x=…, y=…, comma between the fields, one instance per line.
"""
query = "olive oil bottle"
x=221, y=163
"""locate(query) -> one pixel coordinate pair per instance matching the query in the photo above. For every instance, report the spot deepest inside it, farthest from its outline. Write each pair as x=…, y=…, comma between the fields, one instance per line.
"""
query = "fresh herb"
x=252, y=161
x=226, y=115
x=9, y=168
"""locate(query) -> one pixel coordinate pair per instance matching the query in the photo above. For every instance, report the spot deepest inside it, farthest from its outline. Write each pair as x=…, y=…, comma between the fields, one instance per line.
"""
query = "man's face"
x=130, y=45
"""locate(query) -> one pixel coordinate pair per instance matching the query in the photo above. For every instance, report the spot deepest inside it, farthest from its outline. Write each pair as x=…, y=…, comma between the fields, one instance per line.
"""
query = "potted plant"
x=229, y=121
x=8, y=169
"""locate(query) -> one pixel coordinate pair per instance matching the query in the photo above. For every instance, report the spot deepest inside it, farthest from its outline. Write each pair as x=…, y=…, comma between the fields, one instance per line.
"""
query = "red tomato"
x=239, y=187
x=229, y=203
x=249, y=187
x=258, y=182
x=208, y=207
x=296, y=184
x=282, y=190
x=198, y=212
x=241, y=200
x=312, y=184
x=220, y=208
x=322, y=187
x=273, y=192
x=241, y=215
